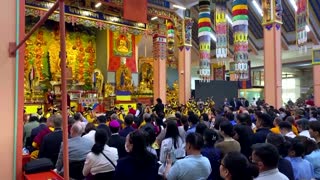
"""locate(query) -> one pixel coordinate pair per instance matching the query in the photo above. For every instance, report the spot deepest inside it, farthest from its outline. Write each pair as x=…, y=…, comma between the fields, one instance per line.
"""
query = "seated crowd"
x=244, y=143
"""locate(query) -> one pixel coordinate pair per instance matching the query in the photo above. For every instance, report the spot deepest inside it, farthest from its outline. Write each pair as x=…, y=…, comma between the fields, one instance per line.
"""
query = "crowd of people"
x=239, y=141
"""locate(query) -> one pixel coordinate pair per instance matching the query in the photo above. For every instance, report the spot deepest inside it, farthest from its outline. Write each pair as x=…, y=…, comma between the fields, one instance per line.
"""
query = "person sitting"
x=50, y=145
x=140, y=163
x=27, y=128
x=101, y=162
x=235, y=166
x=78, y=149
x=116, y=140
x=266, y=157
x=193, y=166
x=37, y=130
x=89, y=132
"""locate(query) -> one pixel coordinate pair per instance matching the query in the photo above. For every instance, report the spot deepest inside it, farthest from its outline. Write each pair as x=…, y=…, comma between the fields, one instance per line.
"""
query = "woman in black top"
x=140, y=163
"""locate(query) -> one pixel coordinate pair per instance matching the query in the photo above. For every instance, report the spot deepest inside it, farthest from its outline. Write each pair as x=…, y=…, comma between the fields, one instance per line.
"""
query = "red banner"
x=135, y=10
x=114, y=45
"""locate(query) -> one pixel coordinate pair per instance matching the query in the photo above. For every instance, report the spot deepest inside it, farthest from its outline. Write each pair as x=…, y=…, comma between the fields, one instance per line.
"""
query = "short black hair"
x=243, y=118
x=193, y=118
x=227, y=128
x=285, y=125
x=77, y=116
x=298, y=147
x=195, y=140
x=267, y=153
x=315, y=126
x=43, y=120
x=200, y=128
x=265, y=118
x=102, y=119
x=128, y=119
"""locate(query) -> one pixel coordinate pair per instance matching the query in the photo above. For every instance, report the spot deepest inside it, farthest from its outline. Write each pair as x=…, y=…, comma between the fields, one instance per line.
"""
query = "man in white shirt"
x=266, y=157
x=303, y=128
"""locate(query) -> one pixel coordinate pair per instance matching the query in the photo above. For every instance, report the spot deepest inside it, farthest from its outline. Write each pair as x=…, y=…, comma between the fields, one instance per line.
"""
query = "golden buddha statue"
x=109, y=90
x=98, y=80
x=123, y=45
x=123, y=76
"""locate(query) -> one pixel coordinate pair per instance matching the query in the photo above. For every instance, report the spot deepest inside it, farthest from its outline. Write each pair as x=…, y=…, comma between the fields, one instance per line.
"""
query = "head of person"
x=290, y=119
x=277, y=121
x=263, y=120
x=309, y=144
x=236, y=166
x=136, y=143
x=285, y=127
x=102, y=119
x=89, y=127
x=150, y=135
x=159, y=101
x=57, y=121
x=172, y=131
x=77, y=116
x=296, y=148
x=226, y=129
x=147, y=117
x=76, y=130
x=279, y=142
x=244, y=118
x=210, y=137
x=193, y=119
x=114, y=116
x=200, y=128
x=230, y=116
x=114, y=126
x=303, y=125
x=205, y=117
x=33, y=118
x=100, y=138
x=194, y=143
x=218, y=121
x=265, y=156
x=314, y=129
x=128, y=119
x=43, y=120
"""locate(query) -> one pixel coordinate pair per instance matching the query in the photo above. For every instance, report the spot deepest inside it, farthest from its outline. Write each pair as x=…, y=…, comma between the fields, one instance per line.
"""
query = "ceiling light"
x=293, y=4
x=229, y=19
x=257, y=7
x=179, y=7
x=154, y=18
x=307, y=28
x=98, y=4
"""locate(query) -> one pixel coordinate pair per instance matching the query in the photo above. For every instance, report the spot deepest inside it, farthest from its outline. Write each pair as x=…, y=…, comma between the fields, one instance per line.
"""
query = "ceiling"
x=290, y=52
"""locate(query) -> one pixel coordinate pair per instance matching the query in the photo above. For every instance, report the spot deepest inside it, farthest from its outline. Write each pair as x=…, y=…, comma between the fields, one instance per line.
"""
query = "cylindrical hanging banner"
x=170, y=44
x=204, y=32
x=221, y=29
x=302, y=18
x=240, y=35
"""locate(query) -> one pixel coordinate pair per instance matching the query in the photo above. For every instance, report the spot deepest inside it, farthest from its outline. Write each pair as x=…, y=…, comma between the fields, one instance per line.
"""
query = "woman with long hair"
x=101, y=162
x=235, y=166
x=171, y=145
x=140, y=163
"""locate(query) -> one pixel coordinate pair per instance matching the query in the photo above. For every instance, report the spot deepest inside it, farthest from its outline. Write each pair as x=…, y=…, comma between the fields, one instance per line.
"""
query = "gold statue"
x=123, y=45
x=123, y=76
x=98, y=80
x=109, y=90
x=147, y=76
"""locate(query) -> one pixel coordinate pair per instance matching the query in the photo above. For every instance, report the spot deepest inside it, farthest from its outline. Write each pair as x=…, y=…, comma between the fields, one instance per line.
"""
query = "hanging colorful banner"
x=159, y=47
x=302, y=17
x=170, y=44
x=240, y=35
x=221, y=26
x=204, y=33
x=121, y=45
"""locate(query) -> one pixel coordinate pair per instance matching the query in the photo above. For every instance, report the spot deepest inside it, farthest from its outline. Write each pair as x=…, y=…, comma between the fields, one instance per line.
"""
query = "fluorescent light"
x=98, y=5
x=154, y=18
x=293, y=4
x=307, y=28
x=179, y=7
x=257, y=7
x=213, y=37
x=229, y=19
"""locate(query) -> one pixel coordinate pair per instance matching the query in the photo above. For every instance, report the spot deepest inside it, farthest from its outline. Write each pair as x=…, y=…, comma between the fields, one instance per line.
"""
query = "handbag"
x=38, y=165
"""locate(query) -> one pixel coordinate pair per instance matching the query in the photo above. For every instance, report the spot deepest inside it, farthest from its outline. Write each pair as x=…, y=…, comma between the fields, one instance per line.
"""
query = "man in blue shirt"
x=193, y=121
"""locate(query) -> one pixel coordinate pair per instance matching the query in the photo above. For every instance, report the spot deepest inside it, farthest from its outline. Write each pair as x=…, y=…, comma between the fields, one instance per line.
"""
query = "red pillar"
x=272, y=64
x=159, y=66
x=184, y=72
x=316, y=84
